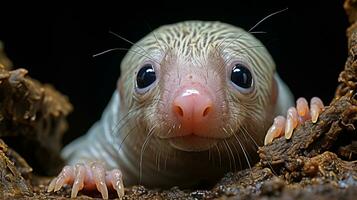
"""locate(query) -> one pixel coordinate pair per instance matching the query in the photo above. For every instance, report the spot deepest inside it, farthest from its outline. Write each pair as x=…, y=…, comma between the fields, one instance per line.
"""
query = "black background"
x=56, y=43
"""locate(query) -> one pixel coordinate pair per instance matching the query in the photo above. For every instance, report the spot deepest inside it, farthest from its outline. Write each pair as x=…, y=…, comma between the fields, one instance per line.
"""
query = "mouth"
x=192, y=143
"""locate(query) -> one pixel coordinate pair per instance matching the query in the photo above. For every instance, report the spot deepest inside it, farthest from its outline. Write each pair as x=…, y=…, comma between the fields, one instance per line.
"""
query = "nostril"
x=178, y=110
x=206, y=111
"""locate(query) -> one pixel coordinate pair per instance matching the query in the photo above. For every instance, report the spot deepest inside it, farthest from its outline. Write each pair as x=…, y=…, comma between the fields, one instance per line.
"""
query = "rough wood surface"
x=319, y=162
x=13, y=169
x=32, y=118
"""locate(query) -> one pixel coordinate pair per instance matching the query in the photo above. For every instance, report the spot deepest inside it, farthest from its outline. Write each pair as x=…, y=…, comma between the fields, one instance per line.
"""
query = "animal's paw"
x=88, y=176
x=295, y=116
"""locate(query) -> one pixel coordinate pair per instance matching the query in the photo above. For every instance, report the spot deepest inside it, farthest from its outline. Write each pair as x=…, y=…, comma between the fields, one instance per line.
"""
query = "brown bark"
x=319, y=161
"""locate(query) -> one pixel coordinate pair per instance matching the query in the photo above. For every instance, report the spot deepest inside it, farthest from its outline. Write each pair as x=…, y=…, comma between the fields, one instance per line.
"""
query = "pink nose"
x=193, y=108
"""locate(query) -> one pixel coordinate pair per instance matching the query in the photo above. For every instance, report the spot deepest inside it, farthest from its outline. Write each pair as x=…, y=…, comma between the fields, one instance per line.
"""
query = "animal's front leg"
x=295, y=116
x=89, y=176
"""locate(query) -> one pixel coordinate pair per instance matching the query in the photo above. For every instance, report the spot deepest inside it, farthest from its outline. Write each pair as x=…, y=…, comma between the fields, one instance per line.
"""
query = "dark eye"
x=146, y=76
x=241, y=76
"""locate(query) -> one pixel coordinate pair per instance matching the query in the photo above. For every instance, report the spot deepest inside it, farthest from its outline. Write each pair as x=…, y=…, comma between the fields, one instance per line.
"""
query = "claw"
x=51, y=187
x=295, y=116
x=99, y=179
x=316, y=106
x=78, y=183
x=116, y=179
x=88, y=176
x=275, y=130
x=291, y=122
x=64, y=177
x=59, y=184
x=302, y=107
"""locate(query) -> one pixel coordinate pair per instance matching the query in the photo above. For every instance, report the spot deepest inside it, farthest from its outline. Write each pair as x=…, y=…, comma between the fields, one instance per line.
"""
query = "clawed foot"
x=295, y=116
x=88, y=177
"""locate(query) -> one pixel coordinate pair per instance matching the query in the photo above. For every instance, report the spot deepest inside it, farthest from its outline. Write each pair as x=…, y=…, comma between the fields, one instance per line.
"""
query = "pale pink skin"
x=191, y=101
x=193, y=106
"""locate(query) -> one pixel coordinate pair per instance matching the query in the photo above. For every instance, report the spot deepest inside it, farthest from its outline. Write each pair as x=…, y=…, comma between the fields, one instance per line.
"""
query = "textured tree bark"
x=12, y=183
x=32, y=121
x=319, y=161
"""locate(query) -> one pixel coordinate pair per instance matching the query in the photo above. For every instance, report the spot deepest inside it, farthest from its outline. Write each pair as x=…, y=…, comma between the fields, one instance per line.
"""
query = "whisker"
x=129, y=132
x=244, y=151
x=225, y=39
x=165, y=165
x=258, y=32
x=219, y=46
x=110, y=50
x=231, y=153
x=219, y=155
x=158, y=160
x=157, y=41
x=143, y=148
x=233, y=133
x=238, y=154
x=246, y=144
x=236, y=38
x=249, y=31
x=249, y=144
x=126, y=49
x=262, y=20
x=132, y=43
x=251, y=138
x=116, y=129
x=269, y=163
